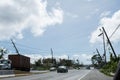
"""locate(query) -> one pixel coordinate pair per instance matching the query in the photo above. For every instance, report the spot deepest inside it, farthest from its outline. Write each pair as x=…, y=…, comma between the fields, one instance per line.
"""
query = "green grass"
x=109, y=68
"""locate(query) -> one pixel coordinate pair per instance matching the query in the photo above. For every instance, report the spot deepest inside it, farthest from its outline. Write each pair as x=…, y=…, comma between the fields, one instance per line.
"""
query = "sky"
x=69, y=27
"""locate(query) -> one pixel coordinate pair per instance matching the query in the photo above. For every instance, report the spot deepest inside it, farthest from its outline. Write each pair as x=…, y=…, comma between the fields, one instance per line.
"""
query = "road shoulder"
x=96, y=75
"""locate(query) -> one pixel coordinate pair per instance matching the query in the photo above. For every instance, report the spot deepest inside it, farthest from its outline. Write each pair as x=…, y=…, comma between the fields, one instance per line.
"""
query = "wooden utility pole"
x=15, y=46
x=109, y=42
x=68, y=57
x=52, y=54
x=99, y=54
x=103, y=44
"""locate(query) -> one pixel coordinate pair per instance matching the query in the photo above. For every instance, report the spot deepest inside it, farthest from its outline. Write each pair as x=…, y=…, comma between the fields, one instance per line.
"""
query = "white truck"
x=5, y=64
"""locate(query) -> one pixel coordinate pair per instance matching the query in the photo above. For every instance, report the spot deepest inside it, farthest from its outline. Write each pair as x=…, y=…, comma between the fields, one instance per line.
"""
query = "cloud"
x=89, y=0
x=18, y=15
x=35, y=57
x=72, y=15
x=110, y=24
x=104, y=14
x=92, y=13
x=84, y=58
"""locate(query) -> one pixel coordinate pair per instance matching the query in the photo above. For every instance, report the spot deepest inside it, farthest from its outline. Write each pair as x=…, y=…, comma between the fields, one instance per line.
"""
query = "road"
x=96, y=75
x=71, y=75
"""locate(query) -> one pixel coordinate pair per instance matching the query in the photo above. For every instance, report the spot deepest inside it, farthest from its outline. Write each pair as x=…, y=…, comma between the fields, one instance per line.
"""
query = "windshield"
x=62, y=66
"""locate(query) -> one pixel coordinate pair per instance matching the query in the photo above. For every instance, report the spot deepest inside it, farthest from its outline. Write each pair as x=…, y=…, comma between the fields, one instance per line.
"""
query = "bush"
x=110, y=67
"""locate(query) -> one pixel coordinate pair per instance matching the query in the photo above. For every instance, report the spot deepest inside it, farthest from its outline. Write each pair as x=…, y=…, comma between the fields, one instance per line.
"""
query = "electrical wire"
x=114, y=31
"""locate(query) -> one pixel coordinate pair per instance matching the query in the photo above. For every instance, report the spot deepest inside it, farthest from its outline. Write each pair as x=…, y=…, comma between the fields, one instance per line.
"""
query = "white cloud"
x=84, y=58
x=104, y=14
x=92, y=13
x=18, y=15
x=34, y=57
x=62, y=57
x=95, y=11
x=72, y=15
x=110, y=24
x=89, y=0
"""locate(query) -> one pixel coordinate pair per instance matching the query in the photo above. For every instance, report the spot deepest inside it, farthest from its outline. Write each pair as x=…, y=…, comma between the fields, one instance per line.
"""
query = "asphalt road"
x=96, y=75
x=71, y=75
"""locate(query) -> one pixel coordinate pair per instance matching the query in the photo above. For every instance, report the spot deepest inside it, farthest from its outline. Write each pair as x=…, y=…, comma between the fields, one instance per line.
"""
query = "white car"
x=52, y=68
x=5, y=64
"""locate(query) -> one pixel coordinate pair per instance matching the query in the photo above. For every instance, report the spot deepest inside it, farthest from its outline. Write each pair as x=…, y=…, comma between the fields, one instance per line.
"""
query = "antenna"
x=15, y=46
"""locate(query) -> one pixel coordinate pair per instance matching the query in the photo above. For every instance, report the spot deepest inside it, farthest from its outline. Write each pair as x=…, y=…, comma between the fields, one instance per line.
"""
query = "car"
x=87, y=67
x=52, y=69
x=62, y=69
x=5, y=64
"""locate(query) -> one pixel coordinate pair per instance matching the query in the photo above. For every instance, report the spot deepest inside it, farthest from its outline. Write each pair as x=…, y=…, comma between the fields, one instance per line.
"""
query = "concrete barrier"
x=6, y=73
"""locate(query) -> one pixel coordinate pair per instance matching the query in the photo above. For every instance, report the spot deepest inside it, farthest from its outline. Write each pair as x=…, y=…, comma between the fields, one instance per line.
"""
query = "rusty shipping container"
x=20, y=62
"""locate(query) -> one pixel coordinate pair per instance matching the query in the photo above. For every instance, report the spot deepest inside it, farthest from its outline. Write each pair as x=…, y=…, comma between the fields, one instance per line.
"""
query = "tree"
x=97, y=61
x=3, y=51
x=38, y=63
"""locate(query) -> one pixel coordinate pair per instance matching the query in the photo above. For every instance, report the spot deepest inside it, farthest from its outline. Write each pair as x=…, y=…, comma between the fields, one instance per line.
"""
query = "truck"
x=20, y=62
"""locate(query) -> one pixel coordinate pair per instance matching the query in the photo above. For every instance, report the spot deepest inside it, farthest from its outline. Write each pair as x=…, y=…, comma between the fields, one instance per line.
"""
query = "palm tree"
x=3, y=51
x=96, y=60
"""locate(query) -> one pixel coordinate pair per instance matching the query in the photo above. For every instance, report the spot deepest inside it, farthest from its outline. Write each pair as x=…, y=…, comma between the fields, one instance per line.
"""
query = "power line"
x=114, y=31
x=33, y=48
x=25, y=46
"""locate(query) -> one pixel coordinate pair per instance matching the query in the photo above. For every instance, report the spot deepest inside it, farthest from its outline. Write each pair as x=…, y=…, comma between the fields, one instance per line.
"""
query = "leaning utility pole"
x=15, y=46
x=98, y=53
x=103, y=44
x=109, y=42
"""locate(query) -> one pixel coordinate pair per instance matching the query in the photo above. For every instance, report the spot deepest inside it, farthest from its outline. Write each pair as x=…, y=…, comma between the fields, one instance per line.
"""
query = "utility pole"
x=103, y=44
x=52, y=55
x=15, y=47
x=109, y=42
x=68, y=57
x=98, y=53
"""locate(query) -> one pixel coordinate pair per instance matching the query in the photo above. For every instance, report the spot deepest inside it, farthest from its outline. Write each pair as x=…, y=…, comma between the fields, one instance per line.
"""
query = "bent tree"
x=3, y=51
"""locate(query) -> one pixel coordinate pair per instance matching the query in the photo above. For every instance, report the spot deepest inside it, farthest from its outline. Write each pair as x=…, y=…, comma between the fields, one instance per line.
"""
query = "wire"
x=24, y=46
x=114, y=31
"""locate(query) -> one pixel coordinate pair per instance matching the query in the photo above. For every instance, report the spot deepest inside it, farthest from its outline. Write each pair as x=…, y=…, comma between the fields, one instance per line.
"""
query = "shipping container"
x=20, y=62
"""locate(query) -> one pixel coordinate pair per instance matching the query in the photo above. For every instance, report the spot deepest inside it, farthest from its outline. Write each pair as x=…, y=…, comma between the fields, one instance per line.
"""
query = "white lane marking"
x=84, y=75
x=11, y=75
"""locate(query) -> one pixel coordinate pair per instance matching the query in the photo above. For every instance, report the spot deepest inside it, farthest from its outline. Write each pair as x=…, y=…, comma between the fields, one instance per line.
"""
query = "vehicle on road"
x=87, y=67
x=5, y=64
x=52, y=69
x=20, y=62
x=62, y=69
